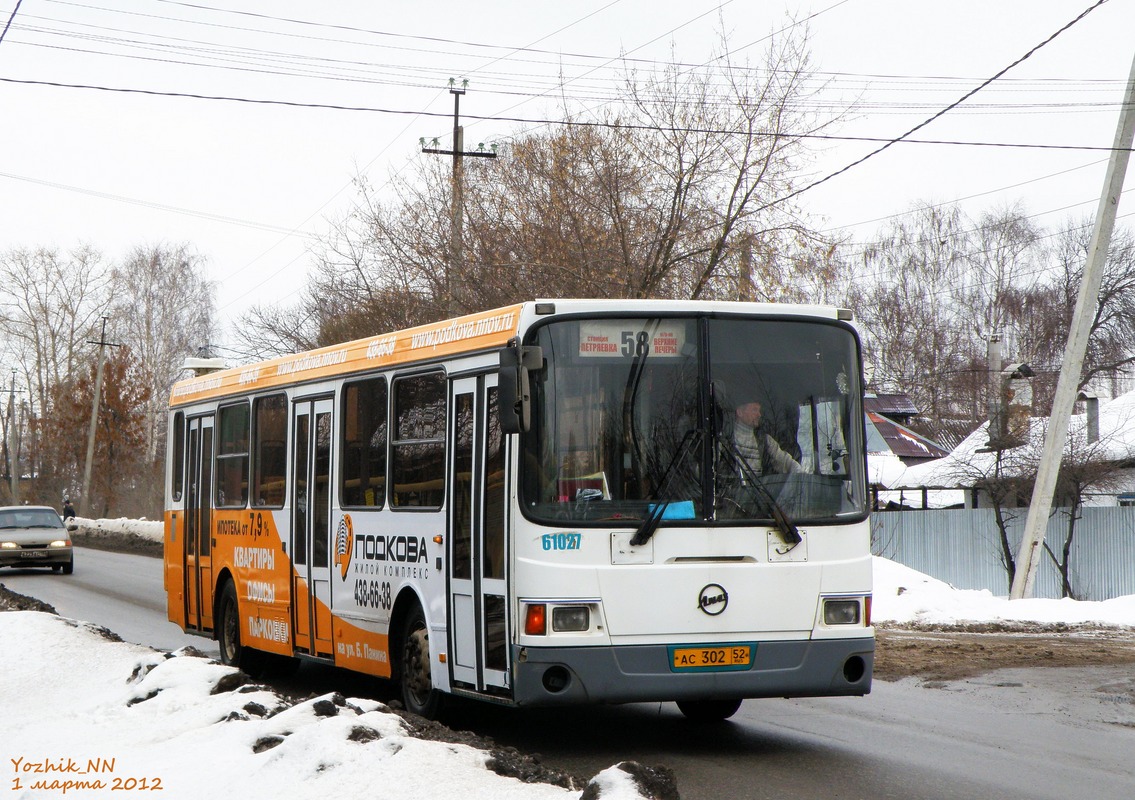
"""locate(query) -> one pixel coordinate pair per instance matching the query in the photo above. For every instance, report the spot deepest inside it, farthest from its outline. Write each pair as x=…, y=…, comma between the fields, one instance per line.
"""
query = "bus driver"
x=759, y=451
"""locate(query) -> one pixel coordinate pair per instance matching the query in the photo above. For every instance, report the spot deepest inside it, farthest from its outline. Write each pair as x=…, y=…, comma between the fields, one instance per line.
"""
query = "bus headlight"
x=570, y=618
x=841, y=611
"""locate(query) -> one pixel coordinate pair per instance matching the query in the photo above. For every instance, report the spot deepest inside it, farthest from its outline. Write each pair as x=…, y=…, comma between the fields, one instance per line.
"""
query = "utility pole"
x=103, y=344
x=1028, y=557
x=454, y=270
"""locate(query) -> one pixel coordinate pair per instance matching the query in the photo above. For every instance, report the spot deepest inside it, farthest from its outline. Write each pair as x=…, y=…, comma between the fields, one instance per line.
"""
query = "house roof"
x=971, y=460
x=899, y=439
x=949, y=433
x=897, y=404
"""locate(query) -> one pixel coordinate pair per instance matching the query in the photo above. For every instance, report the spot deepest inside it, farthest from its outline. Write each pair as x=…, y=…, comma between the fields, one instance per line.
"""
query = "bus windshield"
x=707, y=420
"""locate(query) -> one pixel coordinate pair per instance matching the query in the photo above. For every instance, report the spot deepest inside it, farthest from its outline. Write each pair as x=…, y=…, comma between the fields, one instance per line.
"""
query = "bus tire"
x=708, y=710
x=233, y=652
x=414, y=674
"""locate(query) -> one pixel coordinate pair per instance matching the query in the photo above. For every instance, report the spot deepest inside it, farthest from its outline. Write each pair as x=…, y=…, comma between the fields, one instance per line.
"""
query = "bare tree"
x=903, y=299
x=164, y=310
x=674, y=191
x=52, y=305
x=1111, y=343
x=123, y=476
x=1004, y=259
x=934, y=287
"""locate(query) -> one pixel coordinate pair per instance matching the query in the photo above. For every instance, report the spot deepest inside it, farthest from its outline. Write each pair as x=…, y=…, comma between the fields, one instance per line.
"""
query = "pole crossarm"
x=473, y=153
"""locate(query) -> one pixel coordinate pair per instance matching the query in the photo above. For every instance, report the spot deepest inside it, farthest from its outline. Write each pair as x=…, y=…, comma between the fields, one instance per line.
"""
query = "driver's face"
x=749, y=413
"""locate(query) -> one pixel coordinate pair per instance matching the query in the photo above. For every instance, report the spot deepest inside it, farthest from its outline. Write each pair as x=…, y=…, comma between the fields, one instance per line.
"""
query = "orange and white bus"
x=557, y=502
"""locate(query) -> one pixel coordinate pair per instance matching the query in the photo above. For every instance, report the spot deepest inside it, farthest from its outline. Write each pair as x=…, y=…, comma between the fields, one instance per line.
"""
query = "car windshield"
x=29, y=518
x=697, y=419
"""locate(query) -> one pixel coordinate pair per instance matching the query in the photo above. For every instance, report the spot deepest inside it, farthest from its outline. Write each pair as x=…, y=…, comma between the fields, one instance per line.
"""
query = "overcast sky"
x=250, y=185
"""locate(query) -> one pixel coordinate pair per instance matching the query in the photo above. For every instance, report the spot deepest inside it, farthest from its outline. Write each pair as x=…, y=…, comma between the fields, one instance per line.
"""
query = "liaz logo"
x=343, y=539
x=713, y=599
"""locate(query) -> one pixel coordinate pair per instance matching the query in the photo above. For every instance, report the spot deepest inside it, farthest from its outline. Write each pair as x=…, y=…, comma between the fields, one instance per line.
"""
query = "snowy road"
x=1017, y=734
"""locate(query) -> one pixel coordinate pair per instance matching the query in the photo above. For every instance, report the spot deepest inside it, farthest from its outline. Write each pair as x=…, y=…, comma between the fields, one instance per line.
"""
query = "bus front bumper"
x=544, y=676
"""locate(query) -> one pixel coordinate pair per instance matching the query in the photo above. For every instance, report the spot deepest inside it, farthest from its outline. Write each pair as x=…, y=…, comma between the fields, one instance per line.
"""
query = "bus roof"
x=462, y=335
x=466, y=334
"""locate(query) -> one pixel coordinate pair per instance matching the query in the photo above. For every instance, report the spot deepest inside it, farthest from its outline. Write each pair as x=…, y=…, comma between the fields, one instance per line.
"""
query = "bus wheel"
x=233, y=653
x=416, y=682
x=708, y=710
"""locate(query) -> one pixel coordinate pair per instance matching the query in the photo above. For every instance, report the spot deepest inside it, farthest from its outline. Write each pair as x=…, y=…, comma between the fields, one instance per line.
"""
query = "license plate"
x=33, y=554
x=722, y=657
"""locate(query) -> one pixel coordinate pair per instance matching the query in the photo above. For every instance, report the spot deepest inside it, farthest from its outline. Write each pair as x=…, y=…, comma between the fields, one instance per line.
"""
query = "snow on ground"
x=147, y=529
x=72, y=698
x=902, y=595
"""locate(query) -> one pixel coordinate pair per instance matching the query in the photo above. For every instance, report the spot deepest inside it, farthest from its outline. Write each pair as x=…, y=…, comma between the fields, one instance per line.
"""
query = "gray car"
x=35, y=536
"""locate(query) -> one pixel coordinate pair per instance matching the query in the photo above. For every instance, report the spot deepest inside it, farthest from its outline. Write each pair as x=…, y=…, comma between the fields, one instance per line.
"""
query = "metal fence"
x=962, y=547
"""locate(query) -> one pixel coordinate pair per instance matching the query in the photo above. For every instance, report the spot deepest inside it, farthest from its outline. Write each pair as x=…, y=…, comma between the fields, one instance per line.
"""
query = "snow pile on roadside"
x=902, y=595
x=139, y=719
x=152, y=530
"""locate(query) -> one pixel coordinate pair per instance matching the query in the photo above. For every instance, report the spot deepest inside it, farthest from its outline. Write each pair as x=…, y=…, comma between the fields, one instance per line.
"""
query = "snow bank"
x=902, y=595
x=112, y=714
x=146, y=529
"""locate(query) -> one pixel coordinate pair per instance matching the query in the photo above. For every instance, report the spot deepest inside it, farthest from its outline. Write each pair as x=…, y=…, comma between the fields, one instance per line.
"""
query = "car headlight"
x=60, y=543
x=9, y=545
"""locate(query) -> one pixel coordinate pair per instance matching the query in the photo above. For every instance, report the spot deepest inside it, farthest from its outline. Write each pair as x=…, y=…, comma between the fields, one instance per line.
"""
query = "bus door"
x=311, y=525
x=198, y=572
x=478, y=613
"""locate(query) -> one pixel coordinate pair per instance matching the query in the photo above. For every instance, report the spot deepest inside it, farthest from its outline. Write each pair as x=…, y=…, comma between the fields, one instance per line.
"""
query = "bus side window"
x=362, y=481
x=417, y=454
x=232, y=457
x=269, y=465
x=177, y=448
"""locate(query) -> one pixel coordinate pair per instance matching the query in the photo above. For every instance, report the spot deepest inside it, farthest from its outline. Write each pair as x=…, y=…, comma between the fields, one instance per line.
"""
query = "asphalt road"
x=120, y=591
x=1024, y=734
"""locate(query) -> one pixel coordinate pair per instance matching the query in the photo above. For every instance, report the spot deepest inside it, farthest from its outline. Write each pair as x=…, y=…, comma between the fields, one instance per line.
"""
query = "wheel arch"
x=407, y=598
x=224, y=577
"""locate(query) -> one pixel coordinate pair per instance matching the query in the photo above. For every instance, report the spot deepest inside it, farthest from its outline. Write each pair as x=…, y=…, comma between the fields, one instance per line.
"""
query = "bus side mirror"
x=513, y=390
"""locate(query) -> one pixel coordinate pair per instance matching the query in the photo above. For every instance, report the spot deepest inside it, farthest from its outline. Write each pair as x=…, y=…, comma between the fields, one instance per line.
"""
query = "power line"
x=573, y=123
x=970, y=197
x=263, y=226
x=941, y=113
x=284, y=58
x=903, y=82
x=247, y=60
x=11, y=17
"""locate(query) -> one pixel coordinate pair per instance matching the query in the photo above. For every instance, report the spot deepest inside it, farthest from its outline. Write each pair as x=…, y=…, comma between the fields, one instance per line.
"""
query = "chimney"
x=1092, y=410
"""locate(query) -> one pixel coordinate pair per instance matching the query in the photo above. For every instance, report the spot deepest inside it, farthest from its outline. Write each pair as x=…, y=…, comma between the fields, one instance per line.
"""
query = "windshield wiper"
x=650, y=523
x=788, y=530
